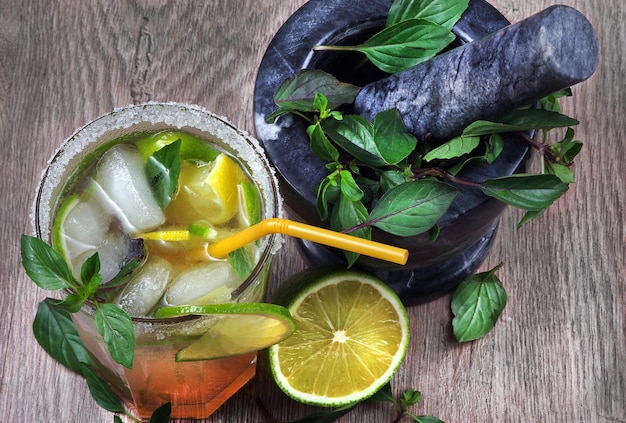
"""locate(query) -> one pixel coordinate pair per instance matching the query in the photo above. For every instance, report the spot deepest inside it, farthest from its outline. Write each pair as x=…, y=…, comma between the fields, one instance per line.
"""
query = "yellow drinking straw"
x=339, y=240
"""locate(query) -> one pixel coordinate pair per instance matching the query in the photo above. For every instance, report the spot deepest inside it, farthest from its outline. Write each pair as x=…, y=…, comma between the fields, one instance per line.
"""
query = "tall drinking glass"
x=194, y=388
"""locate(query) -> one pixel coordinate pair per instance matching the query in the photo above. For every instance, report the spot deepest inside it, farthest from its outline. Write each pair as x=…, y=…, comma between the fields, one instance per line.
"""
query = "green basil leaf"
x=384, y=394
x=346, y=215
x=116, y=328
x=349, y=187
x=406, y=44
x=240, y=262
x=551, y=102
x=325, y=416
x=411, y=397
x=71, y=303
x=443, y=12
x=355, y=134
x=393, y=142
x=100, y=390
x=90, y=273
x=456, y=147
x=495, y=146
x=528, y=216
x=54, y=330
x=320, y=145
x=391, y=178
x=433, y=233
x=478, y=160
x=427, y=419
x=161, y=414
x=525, y=191
x=562, y=172
x=520, y=120
x=44, y=265
x=567, y=149
x=476, y=305
x=162, y=170
x=299, y=92
x=412, y=208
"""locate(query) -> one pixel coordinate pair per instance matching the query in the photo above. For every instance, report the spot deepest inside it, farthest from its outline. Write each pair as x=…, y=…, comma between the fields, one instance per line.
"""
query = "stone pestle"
x=513, y=67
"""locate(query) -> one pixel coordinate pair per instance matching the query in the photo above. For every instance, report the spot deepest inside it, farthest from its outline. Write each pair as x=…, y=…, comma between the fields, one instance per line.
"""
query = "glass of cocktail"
x=98, y=194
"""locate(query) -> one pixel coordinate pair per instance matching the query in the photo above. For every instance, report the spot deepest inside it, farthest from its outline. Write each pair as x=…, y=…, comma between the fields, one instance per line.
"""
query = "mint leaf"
x=393, y=142
x=54, y=330
x=413, y=207
x=477, y=304
x=162, y=170
x=405, y=44
x=526, y=191
x=116, y=328
x=443, y=12
x=44, y=265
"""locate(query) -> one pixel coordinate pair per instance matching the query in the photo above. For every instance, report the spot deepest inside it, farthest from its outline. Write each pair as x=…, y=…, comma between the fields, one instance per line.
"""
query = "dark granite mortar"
x=470, y=224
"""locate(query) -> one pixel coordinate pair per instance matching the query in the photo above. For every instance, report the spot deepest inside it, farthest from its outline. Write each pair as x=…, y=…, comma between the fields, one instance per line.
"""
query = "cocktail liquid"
x=111, y=201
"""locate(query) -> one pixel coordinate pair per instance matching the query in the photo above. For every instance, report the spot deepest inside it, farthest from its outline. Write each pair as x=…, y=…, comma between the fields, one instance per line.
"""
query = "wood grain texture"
x=559, y=351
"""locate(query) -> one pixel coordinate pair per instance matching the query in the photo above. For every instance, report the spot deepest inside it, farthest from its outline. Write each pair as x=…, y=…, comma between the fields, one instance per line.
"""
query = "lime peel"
x=239, y=328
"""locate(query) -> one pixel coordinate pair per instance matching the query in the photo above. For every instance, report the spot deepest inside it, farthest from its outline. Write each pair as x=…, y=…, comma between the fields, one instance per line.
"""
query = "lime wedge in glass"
x=239, y=328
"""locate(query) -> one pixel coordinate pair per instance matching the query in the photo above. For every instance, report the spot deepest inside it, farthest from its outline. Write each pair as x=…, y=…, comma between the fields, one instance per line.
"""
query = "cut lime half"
x=352, y=334
x=239, y=328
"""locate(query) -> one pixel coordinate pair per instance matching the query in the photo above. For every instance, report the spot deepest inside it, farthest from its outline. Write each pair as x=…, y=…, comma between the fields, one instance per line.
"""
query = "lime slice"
x=352, y=334
x=191, y=148
x=239, y=328
x=249, y=204
x=207, y=192
x=203, y=230
x=81, y=228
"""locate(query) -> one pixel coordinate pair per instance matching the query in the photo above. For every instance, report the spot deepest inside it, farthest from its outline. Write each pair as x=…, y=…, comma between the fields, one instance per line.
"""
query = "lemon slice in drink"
x=352, y=334
x=239, y=328
x=207, y=192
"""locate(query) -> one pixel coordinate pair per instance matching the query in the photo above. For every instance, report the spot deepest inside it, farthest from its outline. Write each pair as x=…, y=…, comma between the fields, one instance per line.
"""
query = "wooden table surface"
x=557, y=355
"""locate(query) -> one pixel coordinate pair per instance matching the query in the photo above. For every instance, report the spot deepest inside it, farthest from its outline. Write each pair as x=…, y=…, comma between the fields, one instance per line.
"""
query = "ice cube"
x=146, y=288
x=120, y=175
x=210, y=282
x=87, y=222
